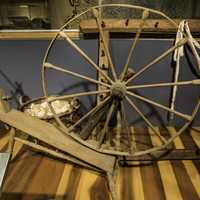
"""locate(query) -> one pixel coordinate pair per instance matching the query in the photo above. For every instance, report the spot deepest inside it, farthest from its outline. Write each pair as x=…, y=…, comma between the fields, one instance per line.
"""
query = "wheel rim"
x=117, y=88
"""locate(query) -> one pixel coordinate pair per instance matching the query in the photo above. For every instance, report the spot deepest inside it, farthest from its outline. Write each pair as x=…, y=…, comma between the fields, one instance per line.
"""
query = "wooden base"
x=33, y=176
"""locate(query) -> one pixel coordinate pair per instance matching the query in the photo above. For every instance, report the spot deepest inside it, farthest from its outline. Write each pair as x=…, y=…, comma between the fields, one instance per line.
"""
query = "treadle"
x=52, y=136
x=4, y=158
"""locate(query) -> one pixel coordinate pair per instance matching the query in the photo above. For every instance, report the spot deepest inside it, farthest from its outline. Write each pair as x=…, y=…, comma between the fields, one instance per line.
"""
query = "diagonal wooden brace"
x=51, y=135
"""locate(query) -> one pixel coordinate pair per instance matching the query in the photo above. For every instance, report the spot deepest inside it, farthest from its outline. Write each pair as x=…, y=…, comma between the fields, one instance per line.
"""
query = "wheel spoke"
x=157, y=59
x=51, y=66
x=118, y=129
x=178, y=83
x=146, y=120
x=82, y=53
x=185, y=116
x=76, y=95
x=124, y=119
x=125, y=68
x=98, y=21
x=88, y=113
x=105, y=128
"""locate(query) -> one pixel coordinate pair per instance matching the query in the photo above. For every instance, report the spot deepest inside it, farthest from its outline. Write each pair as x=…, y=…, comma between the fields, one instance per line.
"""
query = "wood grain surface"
x=35, y=176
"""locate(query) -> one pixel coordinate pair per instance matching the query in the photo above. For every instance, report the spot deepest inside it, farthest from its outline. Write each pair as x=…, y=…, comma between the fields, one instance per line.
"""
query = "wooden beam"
x=132, y=25
x=35, y=35
x=111, y=25
x=162, y=155
x=51, y=135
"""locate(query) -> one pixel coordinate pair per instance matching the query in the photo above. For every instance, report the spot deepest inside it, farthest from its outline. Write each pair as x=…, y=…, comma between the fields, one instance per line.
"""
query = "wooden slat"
x=21, y=172
x=170, y=184
x=127, y=183
x=192, y=174
x=4, y=141
x=16, y=149
x=192, y=167
x=152, y=184
x=71, y=182
x=89, y=26
x=49, y=134
x=118, y=184
x=195, y=133
x=177, y=142
x=137, y=185
x=64, y=181
x=87, y=180
x=34, y=35
x=18, y=146
x=151, y=25
x=194, y=177
x=72, y=186
x=46, y=167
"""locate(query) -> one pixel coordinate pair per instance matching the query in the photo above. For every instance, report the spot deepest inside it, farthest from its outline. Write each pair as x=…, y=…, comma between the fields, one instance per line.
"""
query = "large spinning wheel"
x=93, y=129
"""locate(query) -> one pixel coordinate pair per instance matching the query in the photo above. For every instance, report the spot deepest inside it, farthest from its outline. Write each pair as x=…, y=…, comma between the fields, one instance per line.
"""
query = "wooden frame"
x=154, y=27
x=114, y=82
x=118, y=91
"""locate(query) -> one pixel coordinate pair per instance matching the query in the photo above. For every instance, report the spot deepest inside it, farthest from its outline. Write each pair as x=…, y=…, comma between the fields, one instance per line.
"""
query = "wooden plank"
x=192, y=167
x=118, y=183
x=74, y=182
x=152, y=184
x=4, y=158
x=191, y=174
x=4, y=106
x=87, y=180
x=170, y=184
x=151, y=25
x=195, y=133
x=127, y=183
x=4, y=141
x=64, y=180
x=35, y=35
x=17, y=149
x=48, y=181
x=103, y=64
x=22, y=172
x=51, y=135
x=175, y=154
x=72, y=186
x=177, y=142
x=89, y=26
x=137, y=185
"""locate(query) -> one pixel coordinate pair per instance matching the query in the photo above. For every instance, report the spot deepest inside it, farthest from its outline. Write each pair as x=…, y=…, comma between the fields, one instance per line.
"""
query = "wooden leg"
x=111, y=184
x=11, y=140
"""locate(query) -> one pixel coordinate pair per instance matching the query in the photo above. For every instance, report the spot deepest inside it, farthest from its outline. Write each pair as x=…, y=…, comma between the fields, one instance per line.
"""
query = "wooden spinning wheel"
x=93, y=129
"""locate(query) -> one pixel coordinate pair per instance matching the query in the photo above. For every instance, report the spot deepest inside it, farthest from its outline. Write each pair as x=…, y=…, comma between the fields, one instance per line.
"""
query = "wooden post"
x=103, y=64
x=4, y=107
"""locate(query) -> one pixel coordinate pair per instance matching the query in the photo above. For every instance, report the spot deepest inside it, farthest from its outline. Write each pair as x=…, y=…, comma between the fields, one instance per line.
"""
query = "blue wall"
x=21, y=61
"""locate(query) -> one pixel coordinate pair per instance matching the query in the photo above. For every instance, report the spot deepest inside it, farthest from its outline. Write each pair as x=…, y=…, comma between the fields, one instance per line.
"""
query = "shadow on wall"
x=26, y=81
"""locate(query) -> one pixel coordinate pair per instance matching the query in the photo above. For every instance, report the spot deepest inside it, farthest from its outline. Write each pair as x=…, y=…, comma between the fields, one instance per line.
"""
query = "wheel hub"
x=118, y=89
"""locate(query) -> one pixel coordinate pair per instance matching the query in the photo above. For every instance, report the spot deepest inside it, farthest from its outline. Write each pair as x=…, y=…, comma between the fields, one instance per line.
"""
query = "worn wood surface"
x=112, y=25
x=34, y=35
x=33, y=176
x=48, y=133
x=132, y=25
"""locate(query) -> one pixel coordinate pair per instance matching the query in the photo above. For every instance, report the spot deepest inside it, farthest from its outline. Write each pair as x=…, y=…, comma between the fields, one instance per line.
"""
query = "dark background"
x=21, y=62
